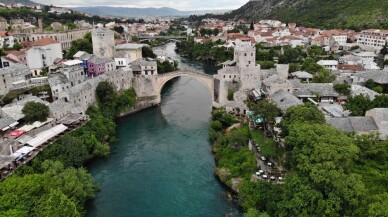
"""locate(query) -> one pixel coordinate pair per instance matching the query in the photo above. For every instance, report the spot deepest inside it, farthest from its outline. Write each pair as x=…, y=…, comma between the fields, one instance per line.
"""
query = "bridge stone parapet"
x=153, y=85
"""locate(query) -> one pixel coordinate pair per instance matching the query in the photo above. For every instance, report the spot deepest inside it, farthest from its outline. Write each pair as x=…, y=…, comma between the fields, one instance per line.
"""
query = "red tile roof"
x=16, y=52
x=43, y=42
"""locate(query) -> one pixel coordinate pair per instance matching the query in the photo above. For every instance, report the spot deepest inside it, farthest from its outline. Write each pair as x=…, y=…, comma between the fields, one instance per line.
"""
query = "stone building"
x=245, y=58
x=142, y=67
x=59, y=109
x=15, y=77
x=134, y=51
x=63, y=37
x=275, y=83
x=103, y=42
x=82, y=95
x=65, y=78
x=99, y=65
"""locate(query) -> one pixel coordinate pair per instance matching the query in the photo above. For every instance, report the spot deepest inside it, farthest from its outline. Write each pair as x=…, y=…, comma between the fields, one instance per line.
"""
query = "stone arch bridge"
x=152, y=86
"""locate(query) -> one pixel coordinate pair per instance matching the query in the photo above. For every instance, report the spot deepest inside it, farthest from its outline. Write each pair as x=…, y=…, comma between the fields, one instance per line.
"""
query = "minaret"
x=40, y=24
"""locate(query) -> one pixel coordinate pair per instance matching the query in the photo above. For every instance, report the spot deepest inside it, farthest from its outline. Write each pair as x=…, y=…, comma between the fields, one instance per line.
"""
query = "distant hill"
x=24, y=2
x=139, y=12
x=355, y=14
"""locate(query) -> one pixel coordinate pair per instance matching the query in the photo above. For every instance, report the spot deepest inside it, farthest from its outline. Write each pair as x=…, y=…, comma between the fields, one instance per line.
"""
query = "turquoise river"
x=162, y=165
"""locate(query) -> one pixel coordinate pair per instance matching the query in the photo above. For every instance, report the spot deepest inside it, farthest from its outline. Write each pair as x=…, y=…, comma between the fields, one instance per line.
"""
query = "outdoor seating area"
x=29, y=147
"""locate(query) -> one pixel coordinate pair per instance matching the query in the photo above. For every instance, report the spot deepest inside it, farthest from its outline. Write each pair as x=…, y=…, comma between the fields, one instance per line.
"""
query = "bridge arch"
x=205, y=79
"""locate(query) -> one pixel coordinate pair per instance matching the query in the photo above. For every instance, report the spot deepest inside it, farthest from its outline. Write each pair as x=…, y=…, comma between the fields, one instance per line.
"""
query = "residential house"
x=302, y=76
x=284, y=100
x=380, y=116
x=359, y=125
x=99, y=65
x=12, y=58
x=374, y=121
x=59, y=109
x=329, y=64
x=293, y=41
x=372, y=39
x=275, y=83
x=320, y=92
x=43, y=54
x=6, y=39
x=142, y=67
x=356, y=90
x=368, y=59
x=380, y=77
x=133, y=50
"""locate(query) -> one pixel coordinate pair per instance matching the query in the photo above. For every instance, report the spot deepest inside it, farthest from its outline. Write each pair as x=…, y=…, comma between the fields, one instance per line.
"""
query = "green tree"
x=265, y=108
x=322, y=158
x=294, y=67
x=358, y=105
x=291, y=55
x=267, y=64
x=56, y=204
x=378, y=89
x=343, y=89
x=309, y=65
x=216, y=125
x=370, y=84
x=35, y=111
x=119, y=29
x=71, y=25
x=147, y=52
x=126, y=100
x=324, y=76
x=202, y=31
x=315, y=51
x=106, y=97
x=70, y=150
x=380, y=206
x=79, y=45
x=230, y=95
x=384, y=50
x=239, y=137
x=301, y=114
x=216, y=31
x=255, y=196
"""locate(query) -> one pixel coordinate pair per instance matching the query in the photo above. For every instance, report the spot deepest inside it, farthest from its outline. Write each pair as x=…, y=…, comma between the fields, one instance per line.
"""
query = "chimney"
x=40, y=24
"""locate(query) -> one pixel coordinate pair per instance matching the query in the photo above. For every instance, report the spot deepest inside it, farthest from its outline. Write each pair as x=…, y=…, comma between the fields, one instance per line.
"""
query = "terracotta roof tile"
x=44, y=42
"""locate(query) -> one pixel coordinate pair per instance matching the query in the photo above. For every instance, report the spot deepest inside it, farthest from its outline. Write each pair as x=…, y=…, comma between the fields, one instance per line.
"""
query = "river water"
x=162, y=164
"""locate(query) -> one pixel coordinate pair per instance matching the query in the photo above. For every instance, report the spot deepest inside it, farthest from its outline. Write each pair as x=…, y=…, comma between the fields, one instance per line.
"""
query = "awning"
x=5, y=128
x=25, y=150
x=14, y=124
x=44, y=136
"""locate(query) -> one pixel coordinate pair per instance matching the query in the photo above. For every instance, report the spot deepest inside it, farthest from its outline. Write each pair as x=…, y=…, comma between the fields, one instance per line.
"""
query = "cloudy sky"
x=177, y=4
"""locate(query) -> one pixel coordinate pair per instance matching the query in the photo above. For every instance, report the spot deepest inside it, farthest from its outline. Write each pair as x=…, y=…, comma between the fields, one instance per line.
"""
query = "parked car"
x=263, y=158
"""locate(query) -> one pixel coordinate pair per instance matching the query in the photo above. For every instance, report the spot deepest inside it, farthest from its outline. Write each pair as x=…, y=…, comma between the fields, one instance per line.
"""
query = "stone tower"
x=103, y=42
x=245, y=58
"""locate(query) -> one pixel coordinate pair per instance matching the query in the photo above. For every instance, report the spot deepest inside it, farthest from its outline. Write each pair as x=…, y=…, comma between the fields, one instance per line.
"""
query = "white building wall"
x=43, y=56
